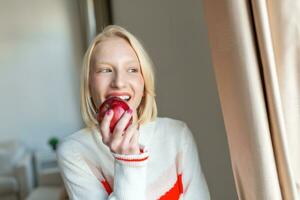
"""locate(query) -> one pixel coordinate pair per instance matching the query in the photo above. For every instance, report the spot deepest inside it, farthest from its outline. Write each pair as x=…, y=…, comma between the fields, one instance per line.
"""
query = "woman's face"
x=116, y=71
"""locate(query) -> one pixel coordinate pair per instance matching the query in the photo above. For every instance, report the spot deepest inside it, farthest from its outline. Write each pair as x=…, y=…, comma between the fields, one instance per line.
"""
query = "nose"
x=119, y=80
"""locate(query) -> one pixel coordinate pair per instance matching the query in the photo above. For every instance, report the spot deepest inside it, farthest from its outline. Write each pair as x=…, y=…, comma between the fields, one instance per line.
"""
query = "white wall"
x=40, y=57
x=175, y=35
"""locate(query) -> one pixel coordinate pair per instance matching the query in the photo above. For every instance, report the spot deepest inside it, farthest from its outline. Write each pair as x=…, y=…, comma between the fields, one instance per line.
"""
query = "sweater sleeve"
x=81, y=183
x=194, y=183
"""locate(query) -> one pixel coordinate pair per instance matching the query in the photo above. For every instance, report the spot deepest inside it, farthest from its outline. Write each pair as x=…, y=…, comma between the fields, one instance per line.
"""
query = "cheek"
x=99, y=83
x=140, y=84
x=93, y=86
x=97, y=87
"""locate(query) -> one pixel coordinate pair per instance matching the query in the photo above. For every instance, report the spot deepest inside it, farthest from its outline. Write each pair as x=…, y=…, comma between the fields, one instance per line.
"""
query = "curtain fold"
x=257, y=72
x=276, y=115
x=284, y=19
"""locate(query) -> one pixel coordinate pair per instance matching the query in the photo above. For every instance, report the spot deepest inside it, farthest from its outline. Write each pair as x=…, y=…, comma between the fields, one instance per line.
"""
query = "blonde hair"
x=147, y=110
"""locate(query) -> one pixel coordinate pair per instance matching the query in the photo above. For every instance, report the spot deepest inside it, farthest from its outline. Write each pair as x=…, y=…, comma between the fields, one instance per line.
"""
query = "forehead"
x=114, y=48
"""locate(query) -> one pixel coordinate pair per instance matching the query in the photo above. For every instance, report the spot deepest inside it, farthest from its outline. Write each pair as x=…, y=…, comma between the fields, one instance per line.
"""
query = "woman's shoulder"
x=170, y=127
x=79, y=136
x=170, y=132
x=75, y=141
x=176, y=129
x=170, y=123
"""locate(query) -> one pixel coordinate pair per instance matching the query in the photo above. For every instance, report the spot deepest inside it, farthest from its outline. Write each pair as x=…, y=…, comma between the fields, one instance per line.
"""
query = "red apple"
x=114, y=103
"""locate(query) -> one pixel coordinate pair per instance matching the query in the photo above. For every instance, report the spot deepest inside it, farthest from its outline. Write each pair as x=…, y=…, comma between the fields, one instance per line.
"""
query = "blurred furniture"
x=47, y=171
x=47, y=193
x=49, y=182
x=16, y=171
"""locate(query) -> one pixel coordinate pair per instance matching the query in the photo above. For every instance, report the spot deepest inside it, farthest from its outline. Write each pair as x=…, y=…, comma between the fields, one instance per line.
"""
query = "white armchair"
x=16, y=171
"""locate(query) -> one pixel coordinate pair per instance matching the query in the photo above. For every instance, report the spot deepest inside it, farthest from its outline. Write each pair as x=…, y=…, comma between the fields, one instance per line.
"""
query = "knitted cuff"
x=134, y=159
x=130, y=176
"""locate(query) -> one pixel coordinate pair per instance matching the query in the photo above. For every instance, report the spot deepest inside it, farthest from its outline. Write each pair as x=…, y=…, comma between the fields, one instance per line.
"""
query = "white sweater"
x=168, y=169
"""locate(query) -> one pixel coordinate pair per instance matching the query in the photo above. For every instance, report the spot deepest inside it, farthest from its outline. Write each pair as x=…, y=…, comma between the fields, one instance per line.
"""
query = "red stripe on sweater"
x=132, y=160
x=106, y=186
x=173, y=194
x=175, y=191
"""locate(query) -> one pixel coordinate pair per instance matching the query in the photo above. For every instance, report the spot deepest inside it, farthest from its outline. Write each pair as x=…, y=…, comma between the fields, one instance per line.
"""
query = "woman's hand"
x=120, y=142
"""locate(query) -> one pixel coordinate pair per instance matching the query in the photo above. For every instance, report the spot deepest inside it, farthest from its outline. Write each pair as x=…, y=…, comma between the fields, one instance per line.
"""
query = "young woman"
x=154, y=158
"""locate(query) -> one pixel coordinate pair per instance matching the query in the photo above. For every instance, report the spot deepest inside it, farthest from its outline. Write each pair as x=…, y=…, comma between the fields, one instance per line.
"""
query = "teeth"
x=126, y=98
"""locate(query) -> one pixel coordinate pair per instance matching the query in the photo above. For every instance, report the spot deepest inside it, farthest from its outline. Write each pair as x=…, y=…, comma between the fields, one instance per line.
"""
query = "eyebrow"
x=103, y=63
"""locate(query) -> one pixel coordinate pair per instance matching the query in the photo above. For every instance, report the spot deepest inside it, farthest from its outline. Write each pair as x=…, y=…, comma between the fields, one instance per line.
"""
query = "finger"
x=135, y=138
x=121, y=124
x=129, y=133
x=134, y=143
x=104, y=126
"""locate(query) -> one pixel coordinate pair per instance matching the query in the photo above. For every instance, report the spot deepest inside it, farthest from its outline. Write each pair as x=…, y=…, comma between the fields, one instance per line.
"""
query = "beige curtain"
x=255, y=49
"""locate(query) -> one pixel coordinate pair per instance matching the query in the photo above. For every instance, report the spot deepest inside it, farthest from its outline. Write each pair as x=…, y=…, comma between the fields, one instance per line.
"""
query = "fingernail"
x=108, y=112
x=129, y=110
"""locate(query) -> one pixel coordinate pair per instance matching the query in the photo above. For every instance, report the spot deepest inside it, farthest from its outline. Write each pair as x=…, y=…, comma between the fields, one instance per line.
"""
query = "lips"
x=119, y=106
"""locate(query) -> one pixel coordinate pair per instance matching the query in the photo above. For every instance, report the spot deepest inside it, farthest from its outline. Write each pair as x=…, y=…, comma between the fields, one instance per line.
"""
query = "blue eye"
x=104, y=70
x=133, y=70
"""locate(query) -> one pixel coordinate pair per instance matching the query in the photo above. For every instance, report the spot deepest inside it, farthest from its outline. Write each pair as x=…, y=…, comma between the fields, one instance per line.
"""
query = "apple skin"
x=114, y=103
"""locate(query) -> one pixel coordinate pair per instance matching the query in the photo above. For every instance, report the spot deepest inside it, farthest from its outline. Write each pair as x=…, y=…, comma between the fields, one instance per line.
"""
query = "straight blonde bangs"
x=147, y=110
